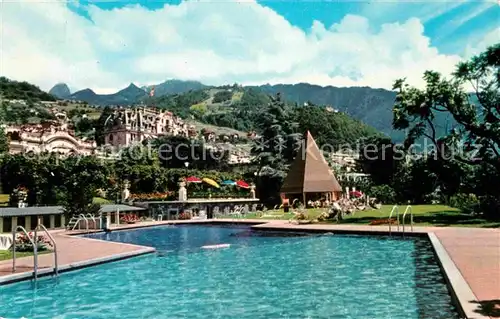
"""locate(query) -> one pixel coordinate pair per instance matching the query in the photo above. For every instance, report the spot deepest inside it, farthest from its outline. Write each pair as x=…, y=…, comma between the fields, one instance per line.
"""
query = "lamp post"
x=186, y=164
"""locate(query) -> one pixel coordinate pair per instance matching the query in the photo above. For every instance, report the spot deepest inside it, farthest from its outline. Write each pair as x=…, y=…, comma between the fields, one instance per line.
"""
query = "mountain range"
x=127, y=96
x=371, y=106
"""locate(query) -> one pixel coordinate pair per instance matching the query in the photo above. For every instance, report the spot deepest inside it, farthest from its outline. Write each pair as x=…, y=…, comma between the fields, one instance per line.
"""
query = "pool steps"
x=395, y=209
x=34, y=243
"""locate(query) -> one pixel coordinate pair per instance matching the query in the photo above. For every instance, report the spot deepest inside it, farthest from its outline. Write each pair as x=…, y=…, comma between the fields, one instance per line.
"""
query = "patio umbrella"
x=242, y=184
x=228, y=182
x=193, y=179
x=356, y=194
x=211, y=182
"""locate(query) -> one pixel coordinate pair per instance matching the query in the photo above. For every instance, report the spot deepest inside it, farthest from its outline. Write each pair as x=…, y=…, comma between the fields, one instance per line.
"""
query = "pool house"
x=51, y=217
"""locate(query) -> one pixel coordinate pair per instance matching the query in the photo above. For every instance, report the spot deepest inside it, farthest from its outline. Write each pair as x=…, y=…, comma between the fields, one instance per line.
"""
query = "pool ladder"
x=34, y=243
x=395, y=209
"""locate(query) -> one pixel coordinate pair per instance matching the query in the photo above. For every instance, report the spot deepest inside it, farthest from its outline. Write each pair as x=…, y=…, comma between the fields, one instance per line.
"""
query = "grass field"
x=423, y=215
x=236, y=97
x=7, y=254
x=4, y=200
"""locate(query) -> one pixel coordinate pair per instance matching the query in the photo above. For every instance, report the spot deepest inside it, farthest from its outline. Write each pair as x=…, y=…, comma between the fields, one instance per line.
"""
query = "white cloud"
x=214, y=42
x=489, y=39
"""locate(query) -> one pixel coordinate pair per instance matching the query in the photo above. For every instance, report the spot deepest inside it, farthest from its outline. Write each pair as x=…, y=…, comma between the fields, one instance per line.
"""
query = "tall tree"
x=83, y=176
x=279, y=138
x=4, y=144
x=275, y=149
x=475, y=141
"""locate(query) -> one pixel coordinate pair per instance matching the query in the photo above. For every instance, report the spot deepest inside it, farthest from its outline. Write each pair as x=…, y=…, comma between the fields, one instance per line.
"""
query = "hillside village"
x=139, y=124
x=67, y=126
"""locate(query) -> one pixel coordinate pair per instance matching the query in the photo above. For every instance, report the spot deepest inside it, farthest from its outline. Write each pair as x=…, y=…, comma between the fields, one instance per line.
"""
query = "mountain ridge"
x=371, y=106
x=60, y=90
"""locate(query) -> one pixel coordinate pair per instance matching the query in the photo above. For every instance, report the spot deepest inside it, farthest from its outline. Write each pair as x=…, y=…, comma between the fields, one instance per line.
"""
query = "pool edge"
x=460, y=290
x=24, y=276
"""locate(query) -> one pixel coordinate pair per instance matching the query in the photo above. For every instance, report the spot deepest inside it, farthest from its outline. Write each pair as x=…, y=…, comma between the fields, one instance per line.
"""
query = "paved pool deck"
x=470, y=256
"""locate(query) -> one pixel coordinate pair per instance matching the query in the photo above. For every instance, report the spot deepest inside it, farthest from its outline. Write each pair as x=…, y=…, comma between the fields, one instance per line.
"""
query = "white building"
x=128, y=126
x=50, y=136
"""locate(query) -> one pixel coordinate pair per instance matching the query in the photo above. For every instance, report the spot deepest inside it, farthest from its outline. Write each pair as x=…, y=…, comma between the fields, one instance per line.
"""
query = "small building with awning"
x=52, y=217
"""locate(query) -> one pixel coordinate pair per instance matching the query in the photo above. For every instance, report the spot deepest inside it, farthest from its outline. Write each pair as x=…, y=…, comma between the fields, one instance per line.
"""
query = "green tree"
x=100, y=125
x=473, y=146
x=4, y=143
x=83, y=176
x=276, y=147
x=333, y=130
x=279, y=139
x=222, y=96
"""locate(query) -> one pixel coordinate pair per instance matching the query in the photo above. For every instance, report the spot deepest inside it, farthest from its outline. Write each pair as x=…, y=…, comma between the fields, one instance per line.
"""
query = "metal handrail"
x=56, y=268
x=93, y=217
x=408, y=208
x=35, y=251
x=81, y=216
x=394, y=208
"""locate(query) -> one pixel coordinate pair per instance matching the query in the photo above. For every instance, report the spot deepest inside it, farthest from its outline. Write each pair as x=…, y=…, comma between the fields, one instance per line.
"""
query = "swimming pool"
x=261, y=275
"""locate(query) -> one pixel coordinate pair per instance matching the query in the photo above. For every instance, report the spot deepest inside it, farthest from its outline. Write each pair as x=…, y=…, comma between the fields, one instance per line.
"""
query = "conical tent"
x=309, y=172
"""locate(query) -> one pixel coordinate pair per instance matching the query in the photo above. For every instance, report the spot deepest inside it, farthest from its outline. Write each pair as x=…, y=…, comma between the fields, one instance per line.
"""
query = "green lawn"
x=7, y=254
x=4, y=200
x=100, y=200
x=423, y=215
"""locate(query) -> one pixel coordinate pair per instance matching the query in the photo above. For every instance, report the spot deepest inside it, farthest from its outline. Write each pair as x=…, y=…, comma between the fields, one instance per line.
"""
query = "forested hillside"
x=12, y=90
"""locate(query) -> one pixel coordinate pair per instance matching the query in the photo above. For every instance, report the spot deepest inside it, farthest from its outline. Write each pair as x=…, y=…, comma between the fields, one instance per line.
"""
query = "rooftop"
x=53, y=210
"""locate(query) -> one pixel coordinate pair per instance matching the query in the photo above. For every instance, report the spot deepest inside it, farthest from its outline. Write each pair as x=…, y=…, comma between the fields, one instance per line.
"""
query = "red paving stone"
x=70, y=250
x=475, y=251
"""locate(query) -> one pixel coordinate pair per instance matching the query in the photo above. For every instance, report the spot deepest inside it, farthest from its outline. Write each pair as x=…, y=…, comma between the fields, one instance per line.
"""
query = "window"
x=21, y=221
x=7, y=224
x=34, y=221
x=46, y=221
x=57, y=221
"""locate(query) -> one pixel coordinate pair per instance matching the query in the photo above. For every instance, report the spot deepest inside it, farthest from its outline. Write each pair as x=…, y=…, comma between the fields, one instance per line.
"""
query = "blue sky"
x=107, y=44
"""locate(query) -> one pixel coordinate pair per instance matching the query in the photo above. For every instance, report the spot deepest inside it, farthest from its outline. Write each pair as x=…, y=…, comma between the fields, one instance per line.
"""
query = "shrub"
x=184, y=216
x=130, y=219
x=23, y=242
x=383, y=193
x=467, y=203
x=153, y=196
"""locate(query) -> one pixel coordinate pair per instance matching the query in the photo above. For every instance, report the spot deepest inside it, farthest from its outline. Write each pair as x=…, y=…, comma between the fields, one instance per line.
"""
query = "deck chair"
x=245, y=210
x=216, y=212
x=202, y=215
x=236, y=212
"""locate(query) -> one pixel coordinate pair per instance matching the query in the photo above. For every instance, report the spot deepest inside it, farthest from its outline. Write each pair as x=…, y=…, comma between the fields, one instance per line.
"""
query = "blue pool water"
x=258, y=276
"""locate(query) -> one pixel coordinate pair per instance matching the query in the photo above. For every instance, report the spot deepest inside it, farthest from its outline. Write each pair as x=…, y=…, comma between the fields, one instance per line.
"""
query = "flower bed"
x=385, y=221
x=153, y=196
x=23, y=243
x=130, y=219
x=184, y=216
